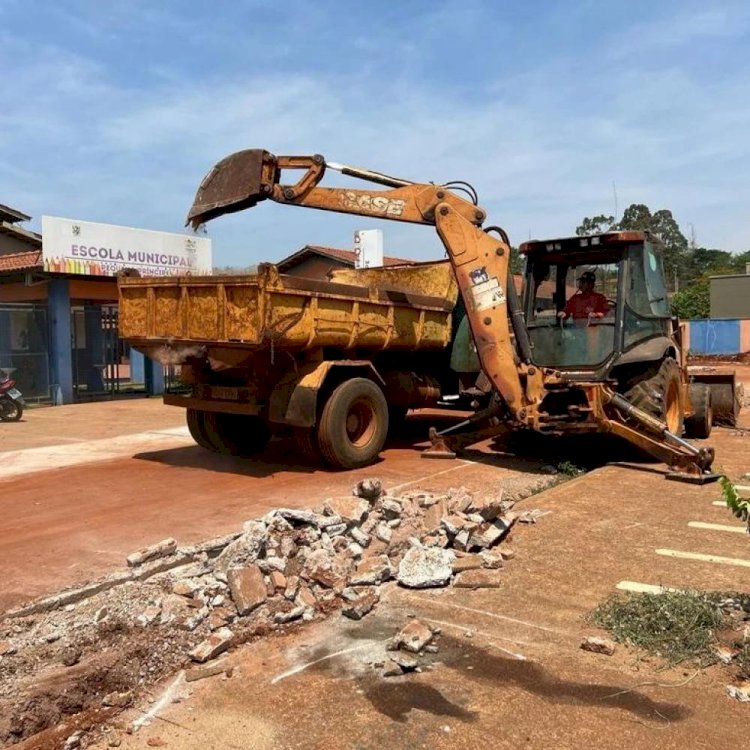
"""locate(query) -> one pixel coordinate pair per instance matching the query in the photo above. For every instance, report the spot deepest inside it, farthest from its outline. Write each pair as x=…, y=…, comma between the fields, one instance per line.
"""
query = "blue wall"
x=715, y=336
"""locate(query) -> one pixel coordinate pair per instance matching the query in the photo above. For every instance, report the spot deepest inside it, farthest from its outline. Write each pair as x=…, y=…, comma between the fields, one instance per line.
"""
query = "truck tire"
x=306, y=441
x=657, y=391
x=236, y=434
x=699, y=424
x=353, y=424
x=197, y=427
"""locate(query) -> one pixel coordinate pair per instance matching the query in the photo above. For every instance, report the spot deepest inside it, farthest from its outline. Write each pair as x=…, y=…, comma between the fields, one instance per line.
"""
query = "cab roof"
x=589, y=241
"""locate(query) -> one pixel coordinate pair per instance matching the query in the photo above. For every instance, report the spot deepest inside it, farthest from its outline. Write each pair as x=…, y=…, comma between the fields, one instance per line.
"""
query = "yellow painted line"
x=642, y=588
x=704, y=558
x=742, y=487
x=717, y=527
x=720, y=504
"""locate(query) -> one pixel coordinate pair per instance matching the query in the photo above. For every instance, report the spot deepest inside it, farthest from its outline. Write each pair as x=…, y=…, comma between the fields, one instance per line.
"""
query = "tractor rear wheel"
x=699, y=424
x=658, y=392
x=353, y=424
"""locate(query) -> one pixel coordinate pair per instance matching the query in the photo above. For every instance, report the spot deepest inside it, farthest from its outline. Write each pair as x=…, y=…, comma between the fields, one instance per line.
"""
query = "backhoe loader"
x=620, y=371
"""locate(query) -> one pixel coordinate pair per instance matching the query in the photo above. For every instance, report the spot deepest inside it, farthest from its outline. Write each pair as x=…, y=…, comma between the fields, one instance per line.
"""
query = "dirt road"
x=64, y=526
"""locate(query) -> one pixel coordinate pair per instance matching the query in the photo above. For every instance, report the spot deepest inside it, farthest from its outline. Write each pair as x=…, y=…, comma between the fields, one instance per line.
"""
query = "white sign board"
x=85, y=247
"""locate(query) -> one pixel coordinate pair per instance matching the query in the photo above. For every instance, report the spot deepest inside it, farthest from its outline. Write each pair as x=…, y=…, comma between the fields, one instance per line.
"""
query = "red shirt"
x=583, y=303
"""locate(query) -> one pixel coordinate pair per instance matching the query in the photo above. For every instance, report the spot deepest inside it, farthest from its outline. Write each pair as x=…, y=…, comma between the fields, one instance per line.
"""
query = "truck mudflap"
x=726, y=393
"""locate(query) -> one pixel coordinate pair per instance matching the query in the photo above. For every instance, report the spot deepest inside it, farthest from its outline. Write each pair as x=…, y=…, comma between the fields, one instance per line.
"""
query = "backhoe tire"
x=236, y=434
x=353, y=424
x=657, y=391
x=197, y=427
x=699, y=424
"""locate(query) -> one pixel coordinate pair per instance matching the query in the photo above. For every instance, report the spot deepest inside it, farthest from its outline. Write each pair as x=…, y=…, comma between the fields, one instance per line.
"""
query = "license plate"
x=14, y=393
x=224, y=393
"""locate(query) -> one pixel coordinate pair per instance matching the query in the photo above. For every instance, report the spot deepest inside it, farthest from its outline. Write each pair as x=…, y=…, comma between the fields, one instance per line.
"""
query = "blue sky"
x=113, y=112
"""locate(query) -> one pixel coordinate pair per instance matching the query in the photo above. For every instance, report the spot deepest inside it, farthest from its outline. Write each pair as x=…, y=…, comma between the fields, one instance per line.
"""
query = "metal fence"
x=24, y=348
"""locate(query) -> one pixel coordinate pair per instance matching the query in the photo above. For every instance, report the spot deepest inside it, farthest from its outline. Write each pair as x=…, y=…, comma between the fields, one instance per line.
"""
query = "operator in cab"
x=585, y=304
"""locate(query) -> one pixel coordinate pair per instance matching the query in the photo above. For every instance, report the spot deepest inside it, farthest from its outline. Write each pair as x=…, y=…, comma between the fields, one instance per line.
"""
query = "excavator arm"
x=480, y=263
x=479, y=259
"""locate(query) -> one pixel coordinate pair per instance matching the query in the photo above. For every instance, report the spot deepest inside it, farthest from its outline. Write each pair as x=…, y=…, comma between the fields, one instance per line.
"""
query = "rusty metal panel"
x=292, y=313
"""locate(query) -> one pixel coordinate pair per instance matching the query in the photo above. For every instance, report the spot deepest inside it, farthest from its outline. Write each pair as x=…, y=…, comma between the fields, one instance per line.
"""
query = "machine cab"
x=589, y=299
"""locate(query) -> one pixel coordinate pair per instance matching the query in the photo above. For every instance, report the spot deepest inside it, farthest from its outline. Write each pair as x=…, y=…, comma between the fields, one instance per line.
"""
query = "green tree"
x=693, y=301
x=662, y=225
x=517, y=262
x=595, y=225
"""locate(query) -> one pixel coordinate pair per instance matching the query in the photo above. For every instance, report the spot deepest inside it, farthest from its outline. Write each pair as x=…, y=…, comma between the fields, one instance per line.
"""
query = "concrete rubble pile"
x=189, y=605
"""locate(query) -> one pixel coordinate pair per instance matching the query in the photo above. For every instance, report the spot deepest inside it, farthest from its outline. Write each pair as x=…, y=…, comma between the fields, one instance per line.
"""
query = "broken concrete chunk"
x=391, y=669
x=414, y=636
x=243, y=550
x=408, y=662
x=359, y=537
x=160, y=549
x=453, y=523
x=362, y=605
x=598, y=645
x=369, y=489
x=192, y=622
x=351, y=509
x=740, y=693
x=390, y=508
x=424, y=567
x=383, y=532
x=247, y=587
x=355, y=550
x=292, y=587
x=491, y=560
x=117, y=700
x=326, y=569
x=215, y=644
x=288, y=615
x=278, y=580
x=148, y=616
x=269, y=564
x=468, y=562
x=373, y=571
x=336, y=530
x=7, y=648
x=305, y=597
x=461, y=540
x=185, y=587
x=207, y=670
x=477, y=579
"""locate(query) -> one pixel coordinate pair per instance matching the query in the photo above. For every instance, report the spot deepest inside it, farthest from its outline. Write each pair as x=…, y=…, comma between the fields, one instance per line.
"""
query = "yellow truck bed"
x=403, y=307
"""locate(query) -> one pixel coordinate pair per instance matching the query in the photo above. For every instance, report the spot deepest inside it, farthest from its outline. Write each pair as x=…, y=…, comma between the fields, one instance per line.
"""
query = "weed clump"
x=675, y=625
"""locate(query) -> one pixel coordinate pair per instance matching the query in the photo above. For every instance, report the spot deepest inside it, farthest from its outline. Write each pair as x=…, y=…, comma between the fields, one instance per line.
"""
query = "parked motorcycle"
x=11, y=400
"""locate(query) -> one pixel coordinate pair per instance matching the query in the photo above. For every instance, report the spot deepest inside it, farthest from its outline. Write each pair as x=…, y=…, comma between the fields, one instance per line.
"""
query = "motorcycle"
x=11, y=400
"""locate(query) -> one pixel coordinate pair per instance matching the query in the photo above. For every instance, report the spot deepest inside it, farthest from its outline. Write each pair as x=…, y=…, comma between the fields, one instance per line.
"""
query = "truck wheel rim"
x=360, y=423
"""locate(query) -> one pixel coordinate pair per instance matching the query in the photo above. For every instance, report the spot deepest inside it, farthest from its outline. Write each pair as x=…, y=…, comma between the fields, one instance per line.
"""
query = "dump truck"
x=620, y=369
x=335, y=362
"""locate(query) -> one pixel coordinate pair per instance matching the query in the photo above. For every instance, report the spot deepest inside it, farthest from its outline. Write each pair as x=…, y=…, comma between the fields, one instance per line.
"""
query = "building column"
x=153, y=372
x=60, y=345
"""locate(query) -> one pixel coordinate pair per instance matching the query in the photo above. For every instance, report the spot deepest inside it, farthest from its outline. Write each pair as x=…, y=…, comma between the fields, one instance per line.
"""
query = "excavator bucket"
x=726, y=394
x=232, y=185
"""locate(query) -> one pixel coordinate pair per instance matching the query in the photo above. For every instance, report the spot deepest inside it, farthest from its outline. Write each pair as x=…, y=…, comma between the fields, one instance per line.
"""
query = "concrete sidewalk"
x=78, y=423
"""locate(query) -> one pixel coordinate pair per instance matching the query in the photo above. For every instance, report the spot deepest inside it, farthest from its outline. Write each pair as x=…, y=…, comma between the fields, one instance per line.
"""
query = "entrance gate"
x=102, y=365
